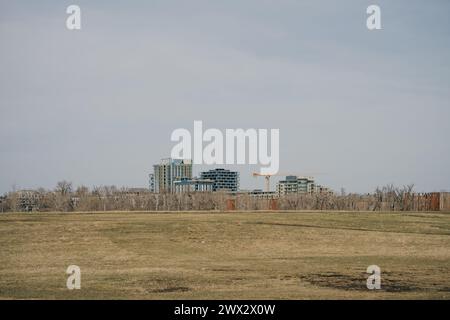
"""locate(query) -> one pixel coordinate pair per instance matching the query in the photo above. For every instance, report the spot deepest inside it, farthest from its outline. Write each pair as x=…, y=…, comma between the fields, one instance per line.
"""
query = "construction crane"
x=267, y=177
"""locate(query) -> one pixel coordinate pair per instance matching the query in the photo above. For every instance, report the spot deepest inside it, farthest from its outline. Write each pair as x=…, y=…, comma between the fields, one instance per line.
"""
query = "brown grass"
x=286, y=255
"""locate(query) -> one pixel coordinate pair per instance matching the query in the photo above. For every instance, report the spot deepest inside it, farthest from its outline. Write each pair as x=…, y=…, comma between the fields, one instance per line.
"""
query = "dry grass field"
x=261, y=255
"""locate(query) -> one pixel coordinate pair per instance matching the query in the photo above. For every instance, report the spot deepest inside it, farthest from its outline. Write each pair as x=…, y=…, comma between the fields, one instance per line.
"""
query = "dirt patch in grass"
x=171, y=289
x=390, y=282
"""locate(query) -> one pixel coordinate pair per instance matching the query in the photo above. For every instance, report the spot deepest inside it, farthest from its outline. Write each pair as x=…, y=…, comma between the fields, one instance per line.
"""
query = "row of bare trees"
x=65, y=198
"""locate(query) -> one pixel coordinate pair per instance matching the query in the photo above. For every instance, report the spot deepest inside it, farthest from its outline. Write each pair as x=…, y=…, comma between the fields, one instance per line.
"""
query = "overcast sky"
x=97, y=106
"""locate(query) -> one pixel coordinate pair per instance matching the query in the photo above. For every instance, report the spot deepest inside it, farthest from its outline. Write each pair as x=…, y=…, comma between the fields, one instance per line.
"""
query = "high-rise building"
x=294, y=184
x=224, y=180
x=168, y=171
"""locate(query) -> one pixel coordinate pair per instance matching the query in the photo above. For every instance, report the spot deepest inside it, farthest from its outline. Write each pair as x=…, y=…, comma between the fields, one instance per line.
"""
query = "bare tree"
x=63, y=187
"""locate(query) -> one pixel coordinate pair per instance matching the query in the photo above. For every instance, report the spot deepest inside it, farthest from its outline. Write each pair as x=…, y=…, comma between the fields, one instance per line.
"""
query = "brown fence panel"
x=435, y=199
x=445, y=201
x=231, y=204
x=273, y=204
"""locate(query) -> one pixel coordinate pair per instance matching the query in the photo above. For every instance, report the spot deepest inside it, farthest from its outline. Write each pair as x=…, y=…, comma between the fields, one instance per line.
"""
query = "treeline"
x=388, y=198
x=65, y=198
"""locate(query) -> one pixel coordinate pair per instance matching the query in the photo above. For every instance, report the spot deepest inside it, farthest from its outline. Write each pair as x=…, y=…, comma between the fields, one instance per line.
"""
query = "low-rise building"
x=260, y=194
x=295, y=185
x=193, y=185
x=28, y=200
x=323, y=190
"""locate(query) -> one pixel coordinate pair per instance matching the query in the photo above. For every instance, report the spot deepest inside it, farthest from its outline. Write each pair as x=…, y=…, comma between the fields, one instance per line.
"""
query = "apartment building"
x=224, y=180
x=167, y=172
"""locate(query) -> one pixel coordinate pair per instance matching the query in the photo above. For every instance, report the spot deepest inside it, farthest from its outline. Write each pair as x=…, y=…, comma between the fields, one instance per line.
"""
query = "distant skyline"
x=97, y=106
